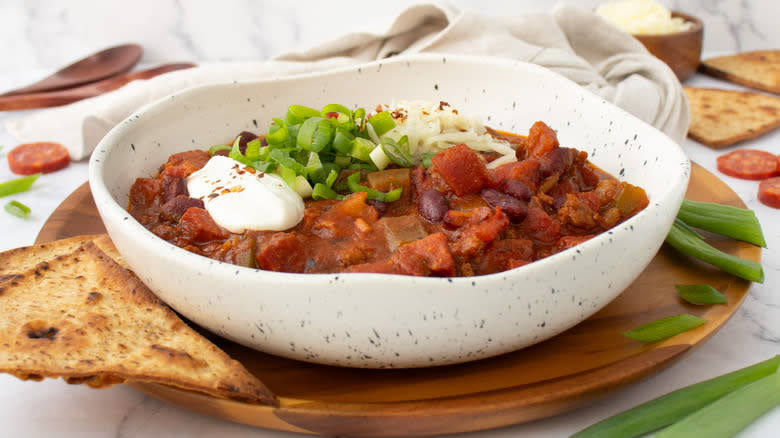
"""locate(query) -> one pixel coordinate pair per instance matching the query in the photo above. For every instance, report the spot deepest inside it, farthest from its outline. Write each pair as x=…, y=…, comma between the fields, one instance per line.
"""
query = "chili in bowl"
x=406, y=258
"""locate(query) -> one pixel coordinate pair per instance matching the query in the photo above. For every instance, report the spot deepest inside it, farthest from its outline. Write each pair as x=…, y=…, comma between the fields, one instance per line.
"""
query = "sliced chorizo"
x=42, y=157
x=769, y=192
x=748, y=164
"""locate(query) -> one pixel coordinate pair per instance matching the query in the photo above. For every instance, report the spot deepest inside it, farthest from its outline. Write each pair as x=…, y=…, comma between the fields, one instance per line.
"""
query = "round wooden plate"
x=585, y=363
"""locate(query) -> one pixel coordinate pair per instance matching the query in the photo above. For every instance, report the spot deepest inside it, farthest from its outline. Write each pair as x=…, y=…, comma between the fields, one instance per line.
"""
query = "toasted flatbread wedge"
x=759, y=69
x=721, y=118
x=83, y=317
x=21, y=259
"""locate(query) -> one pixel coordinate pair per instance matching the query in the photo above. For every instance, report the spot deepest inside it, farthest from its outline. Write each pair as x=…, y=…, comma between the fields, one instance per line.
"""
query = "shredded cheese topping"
x=431, y=128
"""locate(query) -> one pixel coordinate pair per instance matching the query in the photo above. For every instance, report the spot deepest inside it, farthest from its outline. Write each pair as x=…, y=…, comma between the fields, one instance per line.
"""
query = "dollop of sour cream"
x=240, y=198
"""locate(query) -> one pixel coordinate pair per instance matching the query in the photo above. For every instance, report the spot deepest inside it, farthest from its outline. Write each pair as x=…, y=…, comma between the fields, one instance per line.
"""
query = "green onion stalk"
x=677, y=405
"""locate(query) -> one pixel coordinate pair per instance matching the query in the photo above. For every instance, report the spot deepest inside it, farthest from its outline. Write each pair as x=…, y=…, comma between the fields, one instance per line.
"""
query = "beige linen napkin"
x=570, y=40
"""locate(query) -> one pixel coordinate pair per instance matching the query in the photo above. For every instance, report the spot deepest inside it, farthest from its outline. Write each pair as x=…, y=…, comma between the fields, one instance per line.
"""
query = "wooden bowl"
x=681, y=51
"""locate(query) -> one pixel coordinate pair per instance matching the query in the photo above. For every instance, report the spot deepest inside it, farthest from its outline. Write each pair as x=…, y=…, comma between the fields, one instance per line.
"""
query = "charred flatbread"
x=721, y=118
x=21, y=259
x=758, y=69
x=83, y=317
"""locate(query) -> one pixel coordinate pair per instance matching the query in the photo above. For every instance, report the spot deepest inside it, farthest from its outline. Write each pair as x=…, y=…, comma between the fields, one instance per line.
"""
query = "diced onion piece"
x=379, y=158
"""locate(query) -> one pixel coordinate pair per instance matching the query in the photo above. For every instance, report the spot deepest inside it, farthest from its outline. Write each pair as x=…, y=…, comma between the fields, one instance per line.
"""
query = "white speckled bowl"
x=376, y=320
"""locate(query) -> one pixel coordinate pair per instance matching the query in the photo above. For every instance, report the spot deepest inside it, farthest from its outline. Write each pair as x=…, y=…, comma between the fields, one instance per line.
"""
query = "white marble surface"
x=37, y=36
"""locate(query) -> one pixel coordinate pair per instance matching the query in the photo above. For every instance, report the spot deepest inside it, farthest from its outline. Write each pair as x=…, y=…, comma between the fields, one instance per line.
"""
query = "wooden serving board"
x=583, y=364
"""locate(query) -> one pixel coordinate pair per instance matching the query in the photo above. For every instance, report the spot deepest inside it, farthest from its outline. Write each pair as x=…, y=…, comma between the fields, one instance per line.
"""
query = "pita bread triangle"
x=758, y=69
x=19, y=259
x=81, y=316
x=721, y=118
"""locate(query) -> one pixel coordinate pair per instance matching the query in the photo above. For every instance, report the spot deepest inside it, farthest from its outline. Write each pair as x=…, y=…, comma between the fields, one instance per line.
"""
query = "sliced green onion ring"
x=17, y=209
x=253, y=150
x=331, y=178
x=322, y=191
x=382, y=122
x=235, y=153
x=702, y=294
x=18, y=185
x=397, y=152
x=288, y=175
x=392, y=195
x=361, y=149
x=315, y=134
x=298, y=113
x=314, y=170
x=278, y=133
x=427, y=159
x=283, y=158
x=664, y=328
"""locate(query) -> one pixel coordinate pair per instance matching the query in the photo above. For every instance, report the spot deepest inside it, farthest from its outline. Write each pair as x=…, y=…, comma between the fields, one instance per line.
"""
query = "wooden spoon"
x=101, y=65
x=61, y=97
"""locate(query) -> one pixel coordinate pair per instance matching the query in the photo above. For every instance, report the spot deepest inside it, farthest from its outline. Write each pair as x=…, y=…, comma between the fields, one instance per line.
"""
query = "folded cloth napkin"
x=569, y=40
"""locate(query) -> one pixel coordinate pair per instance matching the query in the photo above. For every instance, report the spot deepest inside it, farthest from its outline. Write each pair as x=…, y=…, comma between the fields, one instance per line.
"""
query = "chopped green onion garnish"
x=331, y=178
x=729, y=414
x=392, y=195
x=342, y=142
x=18, y=185
x=278, y=133
x=316, y=144
x=284, y=159
x=382, y=122
x=664, y=328
x=398, y=152
x=315, y=134
x=254, y=152
x=288, y=175
x=361, y=149
x=726, y=220
x=298, y=113
x=17, y=209
x=322, y=191
x=684, y=240
x=427, y=159
x=700, y=294
x=676, y=405
x=235, y=153
x=314, y=169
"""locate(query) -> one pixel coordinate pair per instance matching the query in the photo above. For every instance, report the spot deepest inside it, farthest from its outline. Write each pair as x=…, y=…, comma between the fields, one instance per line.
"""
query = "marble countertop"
x=40, y=36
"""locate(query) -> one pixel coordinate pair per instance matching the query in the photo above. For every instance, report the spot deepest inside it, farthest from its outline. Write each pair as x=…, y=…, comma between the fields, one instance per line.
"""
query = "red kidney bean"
x=512, y=207
x=246, y=137
x=558, y=161
x=516, y=189
x=173, y=209
x=381, y=207
x=432, y=206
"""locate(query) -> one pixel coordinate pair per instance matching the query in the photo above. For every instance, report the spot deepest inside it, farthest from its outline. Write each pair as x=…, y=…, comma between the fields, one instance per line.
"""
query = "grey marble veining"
x=50, y=33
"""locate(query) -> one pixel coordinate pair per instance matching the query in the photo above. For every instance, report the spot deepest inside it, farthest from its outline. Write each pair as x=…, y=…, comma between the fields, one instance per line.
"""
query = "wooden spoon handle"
x=70, y=95
x=101, y=65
